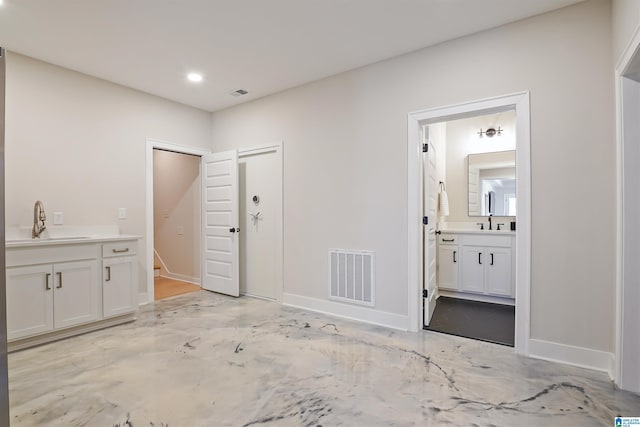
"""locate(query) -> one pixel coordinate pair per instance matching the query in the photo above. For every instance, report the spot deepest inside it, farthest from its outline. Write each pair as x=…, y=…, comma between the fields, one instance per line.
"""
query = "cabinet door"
x=498, y=271
x=75, y=293
x=473, y=260
x=448, y=262
x=119, y=286
x=29, y=301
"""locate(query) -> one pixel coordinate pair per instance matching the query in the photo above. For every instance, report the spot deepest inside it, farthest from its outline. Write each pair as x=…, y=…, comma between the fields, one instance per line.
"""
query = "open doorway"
x=422, y=292
x=176, y=223
x=469, y=169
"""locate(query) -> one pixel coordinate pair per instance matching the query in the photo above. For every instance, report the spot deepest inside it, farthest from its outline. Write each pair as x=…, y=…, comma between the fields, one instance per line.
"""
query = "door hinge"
x=425, y=220
x=425, y=293
x=425, y=148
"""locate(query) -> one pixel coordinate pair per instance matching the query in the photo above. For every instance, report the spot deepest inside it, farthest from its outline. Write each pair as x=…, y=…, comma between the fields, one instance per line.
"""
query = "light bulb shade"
x=444, y=203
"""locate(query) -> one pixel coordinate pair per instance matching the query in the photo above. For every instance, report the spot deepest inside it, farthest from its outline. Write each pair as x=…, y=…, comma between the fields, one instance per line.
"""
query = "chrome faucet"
x=38, y=216
x=490, y=228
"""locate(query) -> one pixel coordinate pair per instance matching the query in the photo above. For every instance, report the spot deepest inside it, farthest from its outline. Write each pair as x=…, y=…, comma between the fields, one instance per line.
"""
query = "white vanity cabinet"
x=486, y=264
x=55, y=290
x=119, y=279
x=41, y=298
x=448, y=261
x=476, y=263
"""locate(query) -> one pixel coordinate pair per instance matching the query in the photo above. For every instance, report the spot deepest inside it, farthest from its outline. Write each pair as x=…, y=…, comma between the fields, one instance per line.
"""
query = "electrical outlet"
x=122, y=213
x=165, y=213
x=58, y=218
x=180, y=230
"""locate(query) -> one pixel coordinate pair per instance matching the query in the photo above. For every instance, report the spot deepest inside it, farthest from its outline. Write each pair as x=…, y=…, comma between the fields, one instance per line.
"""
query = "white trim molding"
x=627, y=345
x=143, y=299
x=347, y=311
x=571, y=355
x=152, y=144
x=520, y=103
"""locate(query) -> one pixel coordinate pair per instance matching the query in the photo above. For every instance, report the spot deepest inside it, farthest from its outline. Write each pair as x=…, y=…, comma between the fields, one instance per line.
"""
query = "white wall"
x=176, y=213
x=78, y=144
x=625, y=18
x=345, y=161
x=462, y=140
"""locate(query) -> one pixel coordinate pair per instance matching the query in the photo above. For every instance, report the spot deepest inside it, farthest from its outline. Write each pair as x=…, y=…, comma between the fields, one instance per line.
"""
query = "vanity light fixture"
x=193, y=77
x=491, y=132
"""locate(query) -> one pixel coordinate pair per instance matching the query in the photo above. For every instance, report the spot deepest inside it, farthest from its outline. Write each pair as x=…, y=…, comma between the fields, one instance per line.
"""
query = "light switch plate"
x=58, y=218
x=122, y=213
x=180, y=230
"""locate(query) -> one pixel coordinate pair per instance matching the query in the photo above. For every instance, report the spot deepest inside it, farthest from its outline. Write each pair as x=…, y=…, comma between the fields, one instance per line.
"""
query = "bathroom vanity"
x=64, y=286
x=477, y=265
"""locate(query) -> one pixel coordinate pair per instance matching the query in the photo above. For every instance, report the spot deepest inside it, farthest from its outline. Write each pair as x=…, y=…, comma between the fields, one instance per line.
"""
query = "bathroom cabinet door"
x=498, y=271
x=119, y=286
x=29, y=300
x=75, y=293
x=448, y=267
x=473, y=259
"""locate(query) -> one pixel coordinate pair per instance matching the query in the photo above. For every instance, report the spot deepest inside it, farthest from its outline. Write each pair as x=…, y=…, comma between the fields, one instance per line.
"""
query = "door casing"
x=625, y=369
x=149, y=296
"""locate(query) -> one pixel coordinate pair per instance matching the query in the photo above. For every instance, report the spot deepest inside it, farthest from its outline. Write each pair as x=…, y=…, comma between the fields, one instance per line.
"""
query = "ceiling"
x=262, y=46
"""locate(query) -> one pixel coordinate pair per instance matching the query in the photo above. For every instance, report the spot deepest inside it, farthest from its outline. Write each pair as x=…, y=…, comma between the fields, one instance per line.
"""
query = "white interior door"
x=430, y=210
x=260, y=201
x=220, y=264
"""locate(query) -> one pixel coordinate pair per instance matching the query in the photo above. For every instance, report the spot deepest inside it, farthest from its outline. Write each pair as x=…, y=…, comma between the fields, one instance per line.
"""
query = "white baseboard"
x=361, y=314
x=576, y=356
x=143, y=298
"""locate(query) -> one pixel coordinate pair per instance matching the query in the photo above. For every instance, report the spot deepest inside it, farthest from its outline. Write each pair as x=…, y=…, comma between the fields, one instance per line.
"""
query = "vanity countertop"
x=67, y=240
x=483, y=232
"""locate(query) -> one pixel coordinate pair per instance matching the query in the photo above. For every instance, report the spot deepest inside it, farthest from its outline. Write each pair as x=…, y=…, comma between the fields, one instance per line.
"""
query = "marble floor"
x=203, y=359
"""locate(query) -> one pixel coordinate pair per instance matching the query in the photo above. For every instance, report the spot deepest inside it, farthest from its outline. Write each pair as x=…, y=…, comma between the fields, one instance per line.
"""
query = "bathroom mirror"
x=492, y=183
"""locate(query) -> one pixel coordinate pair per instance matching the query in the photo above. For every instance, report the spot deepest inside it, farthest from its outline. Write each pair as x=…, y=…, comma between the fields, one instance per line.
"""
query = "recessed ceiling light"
x=239, y=92
x=192, y=77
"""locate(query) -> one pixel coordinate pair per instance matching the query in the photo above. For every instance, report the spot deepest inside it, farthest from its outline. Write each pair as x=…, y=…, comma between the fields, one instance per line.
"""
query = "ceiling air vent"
x=239, y=92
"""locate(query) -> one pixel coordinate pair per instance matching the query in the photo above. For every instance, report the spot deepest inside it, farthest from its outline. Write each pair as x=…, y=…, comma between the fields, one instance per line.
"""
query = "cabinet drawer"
x=119, y=248
x=49, y=254
x=448, y=239
x=478, y=240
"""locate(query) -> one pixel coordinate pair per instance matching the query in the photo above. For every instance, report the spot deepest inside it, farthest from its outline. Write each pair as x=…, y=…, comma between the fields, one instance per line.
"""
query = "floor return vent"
x=351, y=276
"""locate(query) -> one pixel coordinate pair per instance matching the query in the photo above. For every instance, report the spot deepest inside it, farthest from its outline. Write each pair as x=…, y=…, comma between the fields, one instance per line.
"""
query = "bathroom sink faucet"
x=38, y=217
x=490, y=228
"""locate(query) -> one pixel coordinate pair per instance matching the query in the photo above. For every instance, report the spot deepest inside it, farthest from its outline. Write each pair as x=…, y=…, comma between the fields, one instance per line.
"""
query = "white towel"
x=444, y=203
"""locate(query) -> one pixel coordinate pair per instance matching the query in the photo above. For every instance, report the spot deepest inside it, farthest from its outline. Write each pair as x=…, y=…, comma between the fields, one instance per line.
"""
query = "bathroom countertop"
x=68, y=240
x=483, y=232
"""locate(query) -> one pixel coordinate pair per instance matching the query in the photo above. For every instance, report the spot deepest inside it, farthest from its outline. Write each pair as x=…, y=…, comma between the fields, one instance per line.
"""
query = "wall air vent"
x=239, y=92
x=351, y=276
